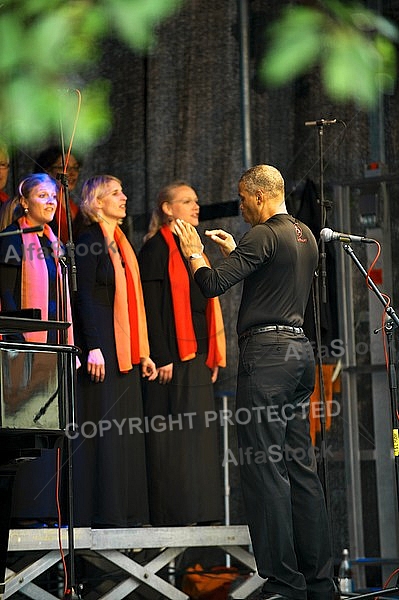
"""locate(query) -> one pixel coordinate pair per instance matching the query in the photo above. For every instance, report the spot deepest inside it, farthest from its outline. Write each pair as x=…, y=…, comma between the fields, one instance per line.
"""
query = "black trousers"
x=283, y=496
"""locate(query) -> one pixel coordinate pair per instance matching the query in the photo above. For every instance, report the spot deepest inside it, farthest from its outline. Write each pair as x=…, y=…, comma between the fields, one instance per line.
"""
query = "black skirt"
x=183, y=456
x=109, y=465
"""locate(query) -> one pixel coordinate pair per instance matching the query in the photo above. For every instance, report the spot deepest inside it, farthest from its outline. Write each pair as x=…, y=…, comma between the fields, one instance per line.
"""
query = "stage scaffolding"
x=367, y=207
x=112, y=545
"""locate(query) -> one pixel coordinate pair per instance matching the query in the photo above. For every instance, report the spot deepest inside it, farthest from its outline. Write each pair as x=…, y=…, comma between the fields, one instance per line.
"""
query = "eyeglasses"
x=186, y=201
x=60, y=168
x=4, y=166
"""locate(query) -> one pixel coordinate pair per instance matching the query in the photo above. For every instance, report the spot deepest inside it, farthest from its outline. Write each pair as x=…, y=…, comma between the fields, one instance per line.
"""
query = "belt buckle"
x=244, y=335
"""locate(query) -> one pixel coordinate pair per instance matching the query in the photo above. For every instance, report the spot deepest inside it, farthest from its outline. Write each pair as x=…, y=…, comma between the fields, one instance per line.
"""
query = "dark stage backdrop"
x=177, y=114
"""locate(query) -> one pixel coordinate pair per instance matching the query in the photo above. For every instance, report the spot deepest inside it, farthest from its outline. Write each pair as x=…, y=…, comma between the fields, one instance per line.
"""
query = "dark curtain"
x=177, y=114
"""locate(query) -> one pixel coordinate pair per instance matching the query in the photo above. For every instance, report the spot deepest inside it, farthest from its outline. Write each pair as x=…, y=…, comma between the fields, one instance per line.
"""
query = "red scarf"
x=61, y=218
x=181, y=301
x=130, y=323
x=34, y=280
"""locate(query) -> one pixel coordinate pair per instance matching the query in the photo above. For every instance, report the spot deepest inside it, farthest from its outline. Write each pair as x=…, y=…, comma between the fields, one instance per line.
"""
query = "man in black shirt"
x=276, y=259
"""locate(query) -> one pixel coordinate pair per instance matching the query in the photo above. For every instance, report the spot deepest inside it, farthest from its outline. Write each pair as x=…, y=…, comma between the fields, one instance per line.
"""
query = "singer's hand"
x=215, y=373
x=148, y=368
x=96, y=365
x=165, y=373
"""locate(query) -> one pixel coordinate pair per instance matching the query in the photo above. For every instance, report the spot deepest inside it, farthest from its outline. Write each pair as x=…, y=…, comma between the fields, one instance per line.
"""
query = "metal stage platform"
x=111, y=544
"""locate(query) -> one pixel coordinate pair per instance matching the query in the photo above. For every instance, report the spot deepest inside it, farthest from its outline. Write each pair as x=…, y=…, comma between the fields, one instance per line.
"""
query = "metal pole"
x=244, y=83
x=226, y=470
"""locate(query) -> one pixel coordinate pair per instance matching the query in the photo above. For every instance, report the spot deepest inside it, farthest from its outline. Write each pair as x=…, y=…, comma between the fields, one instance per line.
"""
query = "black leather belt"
x=266, y=328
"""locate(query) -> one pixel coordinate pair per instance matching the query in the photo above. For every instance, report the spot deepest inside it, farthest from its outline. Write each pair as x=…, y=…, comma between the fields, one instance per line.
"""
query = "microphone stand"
x=319, y=284
x=73, y=591
x=391, y=323
x=323, y=271
x=69, y=245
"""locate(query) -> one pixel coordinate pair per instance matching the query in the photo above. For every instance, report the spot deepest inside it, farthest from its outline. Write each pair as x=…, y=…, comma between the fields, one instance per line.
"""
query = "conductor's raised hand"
x=224, y=240
x=190, y=241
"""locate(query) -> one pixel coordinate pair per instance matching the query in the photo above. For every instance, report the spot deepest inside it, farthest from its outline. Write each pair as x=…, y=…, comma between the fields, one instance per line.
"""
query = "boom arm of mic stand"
x=373, y=595
x=389, y=309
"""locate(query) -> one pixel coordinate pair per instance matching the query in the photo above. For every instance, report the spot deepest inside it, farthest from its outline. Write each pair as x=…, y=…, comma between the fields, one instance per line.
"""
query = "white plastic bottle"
x=345, y=573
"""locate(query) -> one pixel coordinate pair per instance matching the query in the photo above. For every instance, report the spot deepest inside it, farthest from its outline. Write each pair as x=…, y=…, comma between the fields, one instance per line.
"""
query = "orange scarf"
x=181, y=301
x=34, y=281
x=130, y=323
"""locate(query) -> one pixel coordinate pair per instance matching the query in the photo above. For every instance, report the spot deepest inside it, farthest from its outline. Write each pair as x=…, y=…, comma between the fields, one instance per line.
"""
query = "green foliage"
x=48, y=45
x=353, y=46
x=295, y=44
x=136, y=19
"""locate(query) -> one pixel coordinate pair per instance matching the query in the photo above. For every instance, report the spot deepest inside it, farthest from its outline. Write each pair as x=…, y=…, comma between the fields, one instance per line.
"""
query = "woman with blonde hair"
x=187, y=342
x=110, y=471
x=10, y=211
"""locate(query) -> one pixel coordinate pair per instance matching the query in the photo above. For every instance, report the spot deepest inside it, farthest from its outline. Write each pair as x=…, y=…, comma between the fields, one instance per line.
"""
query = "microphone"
x=35, y=229
x=328, y=235
x=32, y=229
x=320, y=122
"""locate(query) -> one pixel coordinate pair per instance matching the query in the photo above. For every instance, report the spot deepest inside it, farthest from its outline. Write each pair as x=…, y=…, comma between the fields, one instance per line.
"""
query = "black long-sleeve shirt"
x=276, y=260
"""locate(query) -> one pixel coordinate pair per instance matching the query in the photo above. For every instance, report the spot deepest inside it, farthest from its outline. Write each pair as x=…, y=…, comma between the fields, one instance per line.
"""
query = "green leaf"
x=349, y=70
x=387, y=52
x=12, y=50
x=351, y=44
x=135, y=20
x=295, y=43
x=28, y=110
x=95, y=118
x=70, y=33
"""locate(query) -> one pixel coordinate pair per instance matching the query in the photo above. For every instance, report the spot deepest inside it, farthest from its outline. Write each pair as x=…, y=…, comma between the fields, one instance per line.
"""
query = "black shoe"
x=267, y=596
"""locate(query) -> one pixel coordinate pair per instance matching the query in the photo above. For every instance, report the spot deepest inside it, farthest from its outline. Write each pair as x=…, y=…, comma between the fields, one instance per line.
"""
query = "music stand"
x=9, y=464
